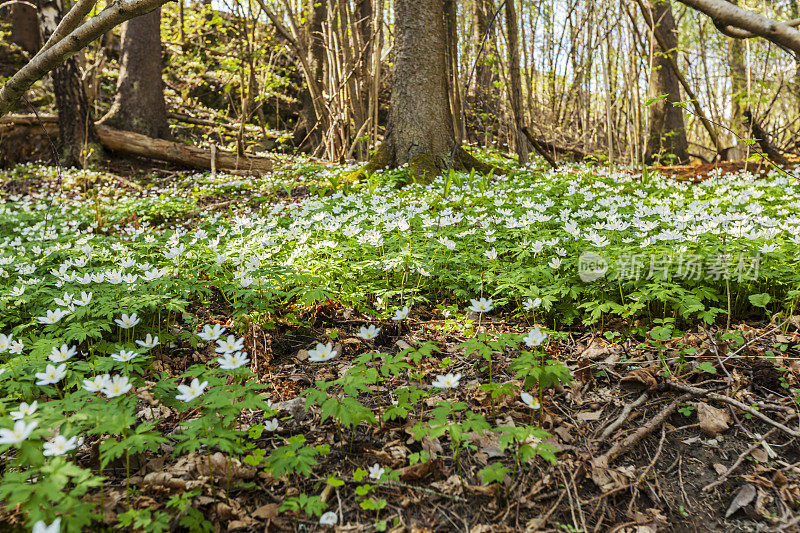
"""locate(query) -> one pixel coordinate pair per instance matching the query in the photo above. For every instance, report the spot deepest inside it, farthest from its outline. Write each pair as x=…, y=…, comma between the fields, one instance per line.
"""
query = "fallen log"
x=129, y=143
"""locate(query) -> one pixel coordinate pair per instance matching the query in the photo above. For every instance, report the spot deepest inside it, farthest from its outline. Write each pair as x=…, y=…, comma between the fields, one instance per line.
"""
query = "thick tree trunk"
x=419, y=132
x=139, y=103
x=515, y=82
x=25, y=28
x=667, y=136
x=78, y=141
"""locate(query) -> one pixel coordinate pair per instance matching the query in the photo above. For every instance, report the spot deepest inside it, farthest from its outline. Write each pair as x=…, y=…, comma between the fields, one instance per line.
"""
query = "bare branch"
x=113, y=15
x=738, y=22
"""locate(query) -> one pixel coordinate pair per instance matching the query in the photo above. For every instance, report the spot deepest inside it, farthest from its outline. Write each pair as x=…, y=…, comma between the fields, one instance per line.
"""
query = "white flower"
x=97, y=383
x=65, y=301
x=148, y=342
x=530, y=304
x=124, y=356
x=555, y=263
x=85, y=299
x=192, y=391
x=116, y=386
x=52, y=374
x=483, y=305
x=447, y=381
x=271, y=425
x=322, y=353
x=59, y=355
x=328, y=519
x=41, y=527
x=20, y=432
x=59, y=446
x=127, y=322
x=534, y=338
x=529, y=400
x=5, y=342
x=17, y=291
x=211, y=334
x=24, y=410
x=16, y=347
x=376, y=471
x=491, y=254
x=368, y=333
x=401, y=314
x=51, y=317
x=229, y=345
x=231, y=361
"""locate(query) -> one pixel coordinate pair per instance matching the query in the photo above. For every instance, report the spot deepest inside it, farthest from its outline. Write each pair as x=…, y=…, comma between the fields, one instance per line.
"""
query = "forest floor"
x=653, y=417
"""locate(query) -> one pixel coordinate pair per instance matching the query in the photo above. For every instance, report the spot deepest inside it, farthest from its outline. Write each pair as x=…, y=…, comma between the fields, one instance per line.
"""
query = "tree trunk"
x=25, y=28
x=667, y=136
x=139, y=103
x=309, y=129
x=515, y=82
x=78, y=141
x=738, y=88
x=484, y=106
x=419, y=132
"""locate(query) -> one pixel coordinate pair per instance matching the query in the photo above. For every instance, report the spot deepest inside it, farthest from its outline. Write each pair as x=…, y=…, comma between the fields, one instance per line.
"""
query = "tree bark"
x=309, y=129
x=667, y=135
x=135, y=144
x=419, y=132
x=78, y=143
x=139, y=103
x=515, y=82
x=25, y=28
x=484, y=104
x=740, y=23
x=73, y=35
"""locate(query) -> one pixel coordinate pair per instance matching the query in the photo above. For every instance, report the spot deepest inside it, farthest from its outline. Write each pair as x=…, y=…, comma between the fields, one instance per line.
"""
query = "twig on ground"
x=623, y=416
x=736, y=403
x=623, y=446
x=738, y=461
x=644, y=473
x=427, y=491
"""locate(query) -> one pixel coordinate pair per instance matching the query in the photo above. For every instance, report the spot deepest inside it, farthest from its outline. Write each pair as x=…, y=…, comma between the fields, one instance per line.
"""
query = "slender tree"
x=515, y=82
x=139, y=103
x=78, y=141
x=667, y=135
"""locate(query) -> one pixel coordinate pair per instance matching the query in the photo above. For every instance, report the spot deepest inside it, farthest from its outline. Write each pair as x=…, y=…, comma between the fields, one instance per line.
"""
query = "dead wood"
x=129, y=143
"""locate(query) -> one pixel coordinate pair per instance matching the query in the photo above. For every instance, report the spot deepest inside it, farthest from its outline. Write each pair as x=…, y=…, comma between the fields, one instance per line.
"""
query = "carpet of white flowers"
x=106, y=282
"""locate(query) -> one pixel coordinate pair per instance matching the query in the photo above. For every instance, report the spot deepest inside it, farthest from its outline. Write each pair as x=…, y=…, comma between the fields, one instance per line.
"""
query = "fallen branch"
x=739, y=460
x=130, y=143
x=623, y=446
x=736, y=403
x=623, y=416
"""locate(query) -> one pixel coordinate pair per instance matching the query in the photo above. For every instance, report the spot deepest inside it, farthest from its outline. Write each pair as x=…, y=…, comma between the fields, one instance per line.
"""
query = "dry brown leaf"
x=452, y=485
x=589, y=416
x=163, y=479
x=418, y=471
x=713, y=421
x=743, y=498
x=640, y=378
x=266, y=512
